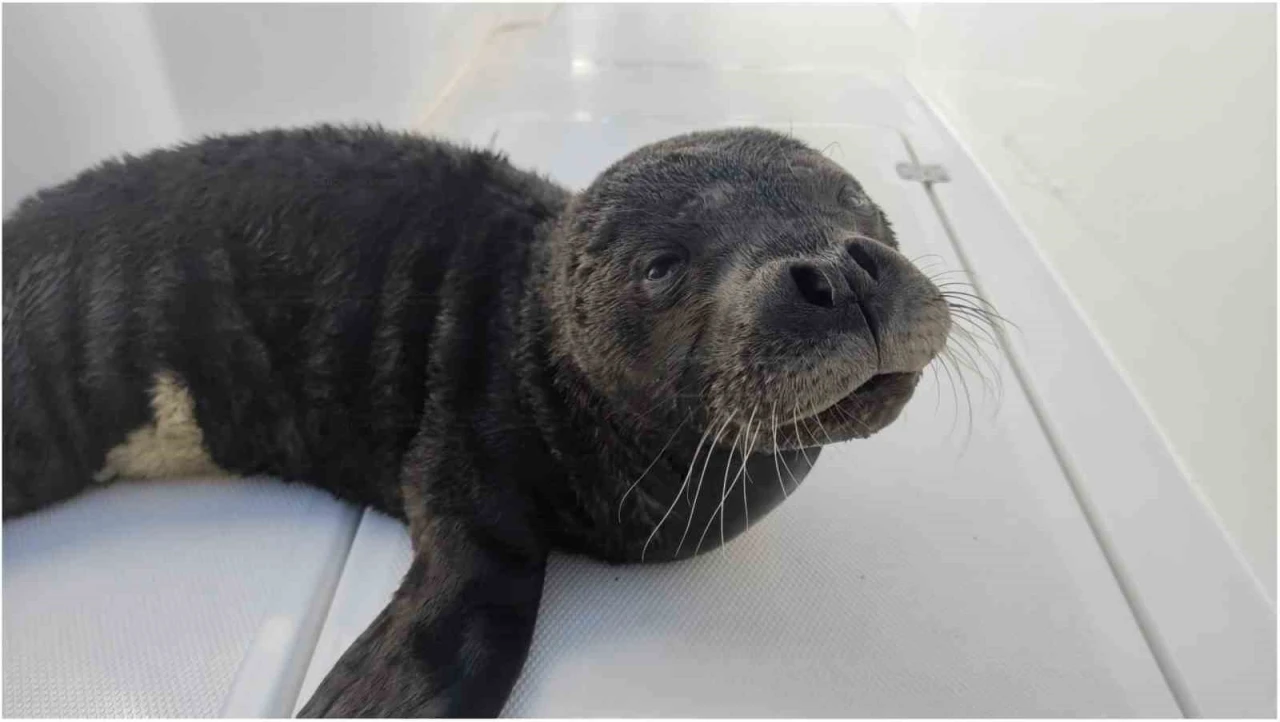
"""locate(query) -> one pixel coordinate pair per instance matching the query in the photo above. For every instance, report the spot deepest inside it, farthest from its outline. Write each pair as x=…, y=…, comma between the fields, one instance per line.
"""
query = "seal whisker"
x=970, y=293
x=679, y=392
x=964, y=354
x=976, y=327
x=968, y=303
x=818, y=421
x=813, y=437
x=966, y=348
x=794, y=481
x=773, y=422
x=971, y=318
x=971, y=301
x=656, y=459
x=726, y=491
x=934, y=259
x=693, y=505
x=853, y=420
x=964, y=332
x=937, y=387
x=796, y=426
x=745, y=514
x=988, y=365
x=786, y=465
x=967, y=289
x=968, y=398
x=998, y=378
x=955, y=399
x=949, y=272
x=688, y=476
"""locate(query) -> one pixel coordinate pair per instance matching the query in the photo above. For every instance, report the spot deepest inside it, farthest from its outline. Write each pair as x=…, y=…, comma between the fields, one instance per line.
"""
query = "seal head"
x=738, y=295
x=744, y=278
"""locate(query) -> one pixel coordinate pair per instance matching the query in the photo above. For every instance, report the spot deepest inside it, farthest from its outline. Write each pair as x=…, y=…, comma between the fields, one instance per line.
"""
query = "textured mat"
x=168, y=599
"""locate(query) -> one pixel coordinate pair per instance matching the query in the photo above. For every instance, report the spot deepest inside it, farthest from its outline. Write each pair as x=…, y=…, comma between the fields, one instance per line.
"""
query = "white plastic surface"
x=1209, y=619
x=168, y=599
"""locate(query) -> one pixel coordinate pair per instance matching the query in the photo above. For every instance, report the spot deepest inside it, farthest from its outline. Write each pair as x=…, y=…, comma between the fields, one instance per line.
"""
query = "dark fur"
x=427, y=330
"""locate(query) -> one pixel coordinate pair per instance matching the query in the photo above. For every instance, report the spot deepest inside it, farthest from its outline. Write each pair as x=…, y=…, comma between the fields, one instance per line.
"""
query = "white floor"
x=943, y=568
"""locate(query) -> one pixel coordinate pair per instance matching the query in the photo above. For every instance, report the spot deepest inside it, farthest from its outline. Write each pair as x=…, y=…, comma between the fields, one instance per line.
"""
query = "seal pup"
x=634, y=372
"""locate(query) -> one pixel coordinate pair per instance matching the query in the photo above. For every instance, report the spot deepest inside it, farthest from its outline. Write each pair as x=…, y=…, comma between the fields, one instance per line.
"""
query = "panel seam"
x=1159, y=652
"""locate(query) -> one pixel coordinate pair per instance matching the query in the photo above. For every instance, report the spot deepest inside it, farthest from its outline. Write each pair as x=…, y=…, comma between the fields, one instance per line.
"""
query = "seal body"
x=290, y=284
x=635, y=372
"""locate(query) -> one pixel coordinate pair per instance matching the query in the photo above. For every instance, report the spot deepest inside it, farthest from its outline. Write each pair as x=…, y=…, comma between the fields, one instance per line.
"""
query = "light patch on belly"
x=172, y=446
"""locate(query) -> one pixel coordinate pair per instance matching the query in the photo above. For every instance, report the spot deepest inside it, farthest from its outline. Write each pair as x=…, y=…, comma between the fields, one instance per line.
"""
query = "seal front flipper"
x=454, y=637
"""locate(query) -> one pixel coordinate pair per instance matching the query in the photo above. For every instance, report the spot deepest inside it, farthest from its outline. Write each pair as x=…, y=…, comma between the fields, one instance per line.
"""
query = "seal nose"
x=855, y=298
x=813, y=285
x=842, y=290
x=862, y=251
x=829, y=283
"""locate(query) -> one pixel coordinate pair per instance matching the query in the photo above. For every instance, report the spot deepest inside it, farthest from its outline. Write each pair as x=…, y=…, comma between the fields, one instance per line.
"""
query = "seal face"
x=747, y=276
x=637, y=372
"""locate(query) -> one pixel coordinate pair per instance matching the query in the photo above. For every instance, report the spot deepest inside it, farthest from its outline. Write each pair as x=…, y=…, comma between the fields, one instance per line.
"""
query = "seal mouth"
x=871, y=385
x=867, y=390
x=870, y=407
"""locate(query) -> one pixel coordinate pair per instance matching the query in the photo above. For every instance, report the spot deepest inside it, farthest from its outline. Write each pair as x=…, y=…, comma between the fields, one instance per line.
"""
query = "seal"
x=635, y=372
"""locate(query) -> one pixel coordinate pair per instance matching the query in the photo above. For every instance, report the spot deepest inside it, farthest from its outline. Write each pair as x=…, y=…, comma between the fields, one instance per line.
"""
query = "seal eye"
x=662, y=267
x=852, y=197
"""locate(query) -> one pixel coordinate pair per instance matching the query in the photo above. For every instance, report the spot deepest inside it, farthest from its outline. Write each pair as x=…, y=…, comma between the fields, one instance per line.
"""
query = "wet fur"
x=427, y=330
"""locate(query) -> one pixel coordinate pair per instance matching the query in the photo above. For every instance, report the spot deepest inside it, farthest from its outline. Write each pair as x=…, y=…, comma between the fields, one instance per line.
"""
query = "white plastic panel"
x=1210, y=621
x=169, y=599
x=941, y=568
x=671, y=62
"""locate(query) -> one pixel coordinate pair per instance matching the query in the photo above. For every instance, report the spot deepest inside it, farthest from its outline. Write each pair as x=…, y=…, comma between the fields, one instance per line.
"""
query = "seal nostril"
x=865, y=261
x=813, y=286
